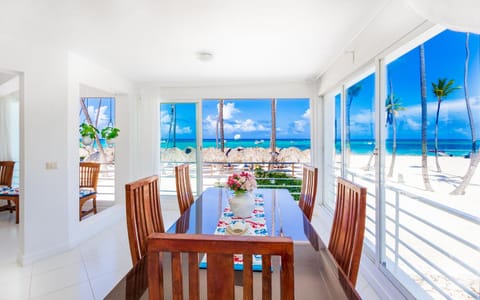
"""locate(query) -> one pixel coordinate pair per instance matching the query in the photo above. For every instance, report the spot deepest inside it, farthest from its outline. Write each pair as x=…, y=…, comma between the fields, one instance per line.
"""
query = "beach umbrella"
x=190, y=154
x=236, y=155
x=305, y=156
x=173, y=155
x=262, y=155
x=291, y=154
x=213, y=155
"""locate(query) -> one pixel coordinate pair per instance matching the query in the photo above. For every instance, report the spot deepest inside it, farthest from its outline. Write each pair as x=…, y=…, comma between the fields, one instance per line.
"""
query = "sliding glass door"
x=178, y=143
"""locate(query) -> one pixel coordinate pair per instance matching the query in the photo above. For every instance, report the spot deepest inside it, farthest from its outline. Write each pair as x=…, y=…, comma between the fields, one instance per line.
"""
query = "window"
x=270, y=137
x=429, y=221
x=97, y=116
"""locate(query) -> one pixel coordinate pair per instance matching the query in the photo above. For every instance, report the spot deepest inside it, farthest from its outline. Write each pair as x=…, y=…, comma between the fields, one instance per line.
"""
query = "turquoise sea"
x=452, y=147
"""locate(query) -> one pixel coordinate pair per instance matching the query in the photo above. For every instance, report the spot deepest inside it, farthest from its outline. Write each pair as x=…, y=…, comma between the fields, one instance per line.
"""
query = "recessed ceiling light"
x=204, y=55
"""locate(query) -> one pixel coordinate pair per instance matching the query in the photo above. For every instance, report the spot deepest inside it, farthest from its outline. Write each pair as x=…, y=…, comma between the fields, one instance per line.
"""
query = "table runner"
x=257, y=226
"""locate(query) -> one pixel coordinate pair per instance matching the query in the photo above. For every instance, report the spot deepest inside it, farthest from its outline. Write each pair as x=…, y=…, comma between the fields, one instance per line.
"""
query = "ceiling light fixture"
x=204, y=55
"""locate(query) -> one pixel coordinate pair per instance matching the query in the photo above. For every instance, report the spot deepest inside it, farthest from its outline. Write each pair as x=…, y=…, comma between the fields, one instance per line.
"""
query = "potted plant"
x=88, y=132
x=109, y=134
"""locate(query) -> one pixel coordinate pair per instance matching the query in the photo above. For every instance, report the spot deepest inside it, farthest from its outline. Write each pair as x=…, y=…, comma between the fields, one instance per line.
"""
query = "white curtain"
x=9, y=127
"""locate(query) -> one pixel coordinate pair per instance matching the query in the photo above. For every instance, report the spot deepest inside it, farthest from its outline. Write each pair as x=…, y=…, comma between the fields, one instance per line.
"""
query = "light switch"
x=51, y=165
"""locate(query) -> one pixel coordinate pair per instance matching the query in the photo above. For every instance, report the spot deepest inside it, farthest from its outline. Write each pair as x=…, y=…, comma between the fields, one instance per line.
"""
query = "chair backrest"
x=346, y=237
x=144, y=214
x=219, y=251
x=184, y=189
x=308, y=192
x=6, y=172
x=89, y=174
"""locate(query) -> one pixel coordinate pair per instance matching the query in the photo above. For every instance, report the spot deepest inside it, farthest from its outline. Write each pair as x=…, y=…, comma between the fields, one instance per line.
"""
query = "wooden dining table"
x=317, y=275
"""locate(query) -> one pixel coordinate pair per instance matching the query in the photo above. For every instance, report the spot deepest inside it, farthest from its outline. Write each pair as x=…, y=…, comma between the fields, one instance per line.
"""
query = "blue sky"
x=445, y=58
x=105, y=110
x=244, y=119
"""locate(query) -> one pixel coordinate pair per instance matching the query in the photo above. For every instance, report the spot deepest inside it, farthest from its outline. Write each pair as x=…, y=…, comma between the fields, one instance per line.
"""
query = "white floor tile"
x=103, y=284
x=12, y=288
x=115, y=262
x=368, y=293
x=81, y=291
x=48, y=282
x=58, y=261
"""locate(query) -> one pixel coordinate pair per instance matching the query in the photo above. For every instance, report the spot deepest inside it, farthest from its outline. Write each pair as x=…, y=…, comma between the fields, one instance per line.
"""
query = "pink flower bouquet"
x=241, y=183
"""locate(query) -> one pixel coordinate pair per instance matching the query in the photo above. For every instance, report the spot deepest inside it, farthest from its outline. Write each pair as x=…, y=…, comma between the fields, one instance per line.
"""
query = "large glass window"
x=425, y=230
x=431, y=218
x=270, y=137
x=178, y=143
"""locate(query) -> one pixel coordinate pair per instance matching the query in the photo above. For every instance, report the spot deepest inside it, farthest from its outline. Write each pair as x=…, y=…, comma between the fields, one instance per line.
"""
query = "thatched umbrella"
x=291, y=154
x=213, y=155
x=173, y=155
x=305, y=156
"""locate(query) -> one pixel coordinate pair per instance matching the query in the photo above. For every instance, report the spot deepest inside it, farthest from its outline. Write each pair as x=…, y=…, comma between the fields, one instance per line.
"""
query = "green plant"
x=89, y=130
x=276, y=179
x=110, y=132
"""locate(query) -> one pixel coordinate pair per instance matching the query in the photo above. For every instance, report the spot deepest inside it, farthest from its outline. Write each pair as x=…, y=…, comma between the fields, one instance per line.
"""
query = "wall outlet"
x=51, y=165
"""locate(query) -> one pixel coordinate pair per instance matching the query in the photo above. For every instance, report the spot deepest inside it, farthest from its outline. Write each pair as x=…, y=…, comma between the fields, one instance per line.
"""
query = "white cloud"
x=103, y=118
x=299, y=125
x=306, y=114
x=412, y=124
x=164, y=117
x=183, y=130
x=228, y=110
x=364, y=116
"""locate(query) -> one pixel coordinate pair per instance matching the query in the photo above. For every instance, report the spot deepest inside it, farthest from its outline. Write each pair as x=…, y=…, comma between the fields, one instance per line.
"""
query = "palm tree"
x=220, y=121
x=352, y=92
x=89, y=121
x=441, y=90
x=273, y=136
x=393, y=106
x=474, y=157
x=423, y=86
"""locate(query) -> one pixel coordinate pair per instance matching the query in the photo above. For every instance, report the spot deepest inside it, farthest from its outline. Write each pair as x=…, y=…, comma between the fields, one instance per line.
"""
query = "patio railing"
x=434, y=245
x=216, y=173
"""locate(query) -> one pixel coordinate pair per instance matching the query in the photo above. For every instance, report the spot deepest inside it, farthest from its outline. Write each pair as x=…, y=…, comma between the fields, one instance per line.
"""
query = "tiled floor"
x=87, y=272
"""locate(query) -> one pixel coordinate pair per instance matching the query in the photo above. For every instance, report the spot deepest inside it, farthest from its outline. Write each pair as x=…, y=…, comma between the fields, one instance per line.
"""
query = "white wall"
x=43, y=213
x=87, y=77
x=49, y=93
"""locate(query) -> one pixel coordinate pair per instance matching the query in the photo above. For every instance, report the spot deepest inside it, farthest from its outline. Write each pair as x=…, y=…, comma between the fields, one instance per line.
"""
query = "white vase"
x=242, y=204
x=86, y=140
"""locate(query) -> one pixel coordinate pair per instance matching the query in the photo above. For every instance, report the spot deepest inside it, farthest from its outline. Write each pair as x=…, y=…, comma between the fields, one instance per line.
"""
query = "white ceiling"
x=157, y=40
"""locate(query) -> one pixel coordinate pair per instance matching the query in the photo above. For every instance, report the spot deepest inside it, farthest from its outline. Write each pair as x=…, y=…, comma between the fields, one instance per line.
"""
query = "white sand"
x=407, y=176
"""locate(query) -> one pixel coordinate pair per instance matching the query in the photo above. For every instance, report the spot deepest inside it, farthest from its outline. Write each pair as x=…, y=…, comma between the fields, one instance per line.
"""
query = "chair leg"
x=10, y=206
x=17, y=211
x=95, y=205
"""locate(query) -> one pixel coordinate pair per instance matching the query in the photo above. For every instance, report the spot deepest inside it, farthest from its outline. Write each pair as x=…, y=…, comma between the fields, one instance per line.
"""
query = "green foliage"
x=89, y=130
x=442, y=88
x=276, y=179
x=110, y=132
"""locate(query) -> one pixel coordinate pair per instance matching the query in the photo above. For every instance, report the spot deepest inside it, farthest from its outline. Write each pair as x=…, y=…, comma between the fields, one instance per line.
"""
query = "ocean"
x=452, y=147
x=301, y=144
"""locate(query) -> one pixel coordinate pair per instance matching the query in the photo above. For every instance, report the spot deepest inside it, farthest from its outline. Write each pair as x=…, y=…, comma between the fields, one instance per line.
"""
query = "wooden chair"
x=6, y=179
x=219, y=251
x=309, y=191
x=144, y=214
x=346, y=237
x=88, y=186
x=184, y=189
